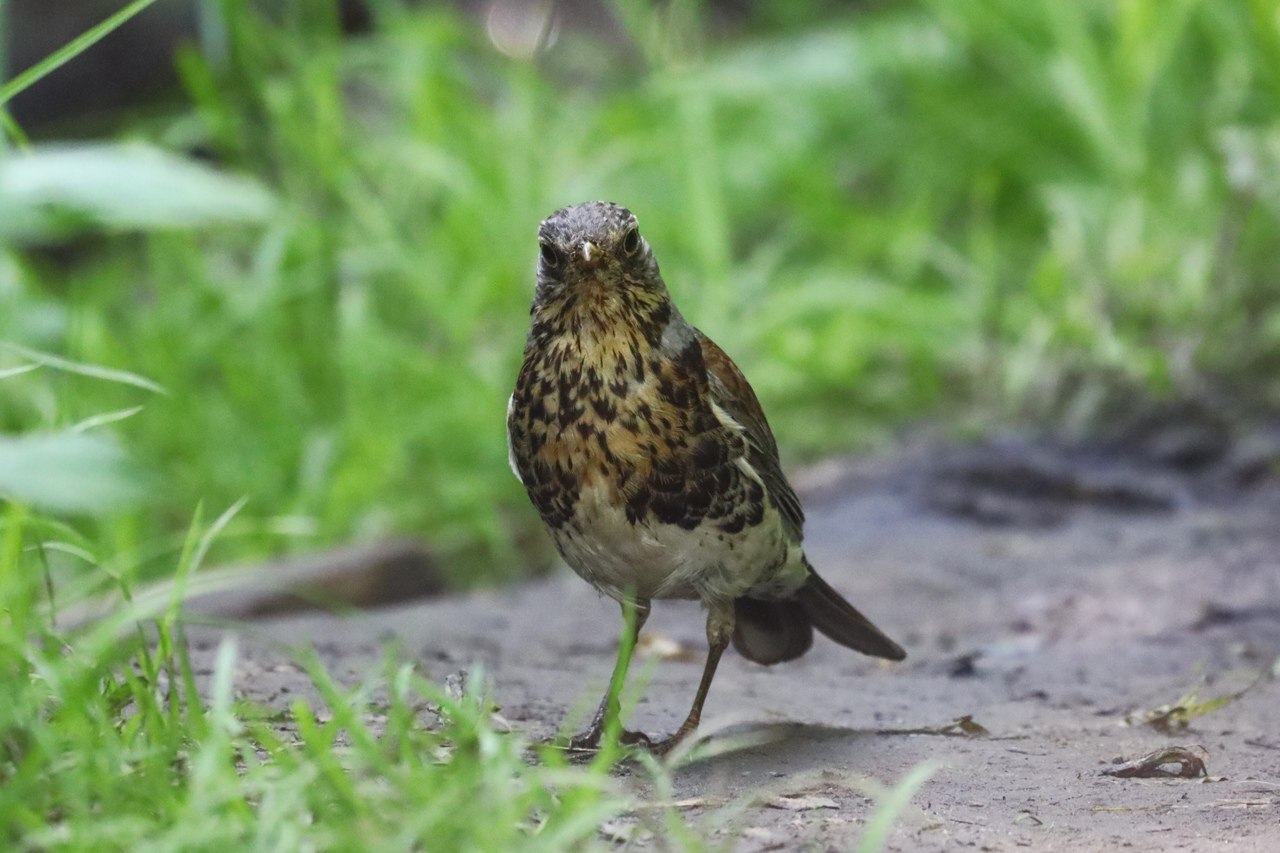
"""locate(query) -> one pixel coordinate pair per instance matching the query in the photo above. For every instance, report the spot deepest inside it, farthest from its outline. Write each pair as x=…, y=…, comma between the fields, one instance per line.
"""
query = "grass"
x=965, y=210
x=111, y=739
x=108, y=744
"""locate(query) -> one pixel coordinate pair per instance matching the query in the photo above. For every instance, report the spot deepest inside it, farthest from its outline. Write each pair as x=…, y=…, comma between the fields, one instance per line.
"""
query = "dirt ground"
x=1049, y=595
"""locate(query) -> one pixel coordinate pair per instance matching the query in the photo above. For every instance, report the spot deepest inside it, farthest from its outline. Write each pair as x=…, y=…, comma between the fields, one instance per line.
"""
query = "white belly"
x=655, y=560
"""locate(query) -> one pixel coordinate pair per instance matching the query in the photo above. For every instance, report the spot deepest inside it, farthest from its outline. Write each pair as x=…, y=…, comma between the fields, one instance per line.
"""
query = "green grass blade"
x=69, y=51
x=14, y=130
x=892, y=805
x=193, y=554
x=93, y=371
x=105, y=418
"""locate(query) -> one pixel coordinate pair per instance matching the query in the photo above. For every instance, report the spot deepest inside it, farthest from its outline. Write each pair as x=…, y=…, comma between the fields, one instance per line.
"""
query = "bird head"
x=594, y=249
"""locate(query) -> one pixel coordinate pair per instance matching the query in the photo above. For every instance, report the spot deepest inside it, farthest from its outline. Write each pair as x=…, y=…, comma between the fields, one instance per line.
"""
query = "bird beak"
x=591, y=254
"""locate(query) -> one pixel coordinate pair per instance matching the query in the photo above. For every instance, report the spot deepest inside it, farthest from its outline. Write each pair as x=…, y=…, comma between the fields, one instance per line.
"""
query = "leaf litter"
x=1160, y=764
x=1177, y=716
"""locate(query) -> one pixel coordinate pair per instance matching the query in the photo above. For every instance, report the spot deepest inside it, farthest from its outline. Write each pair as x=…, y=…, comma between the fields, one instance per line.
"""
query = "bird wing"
x=733, y=395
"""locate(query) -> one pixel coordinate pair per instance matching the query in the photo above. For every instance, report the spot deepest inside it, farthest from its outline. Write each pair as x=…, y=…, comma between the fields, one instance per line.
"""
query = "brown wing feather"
x=731, y=392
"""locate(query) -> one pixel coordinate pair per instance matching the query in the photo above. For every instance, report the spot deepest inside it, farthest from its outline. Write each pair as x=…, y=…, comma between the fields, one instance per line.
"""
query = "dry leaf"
x=965, y=726
x=1178, y=716
x=1153, y=764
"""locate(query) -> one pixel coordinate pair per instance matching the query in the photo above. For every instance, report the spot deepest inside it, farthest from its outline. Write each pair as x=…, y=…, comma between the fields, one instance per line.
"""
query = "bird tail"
x=838, y=619
x=775, y=631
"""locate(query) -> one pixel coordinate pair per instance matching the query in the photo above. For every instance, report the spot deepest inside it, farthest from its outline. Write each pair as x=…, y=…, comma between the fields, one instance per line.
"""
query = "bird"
x=648, y=457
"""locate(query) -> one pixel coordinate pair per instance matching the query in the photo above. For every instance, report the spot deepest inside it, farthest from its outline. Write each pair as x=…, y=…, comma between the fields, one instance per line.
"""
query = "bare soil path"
x=1047, y=597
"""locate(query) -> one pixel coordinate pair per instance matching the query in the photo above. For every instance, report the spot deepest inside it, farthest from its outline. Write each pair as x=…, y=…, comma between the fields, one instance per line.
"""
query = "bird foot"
x=588, y=742
x=664, y=746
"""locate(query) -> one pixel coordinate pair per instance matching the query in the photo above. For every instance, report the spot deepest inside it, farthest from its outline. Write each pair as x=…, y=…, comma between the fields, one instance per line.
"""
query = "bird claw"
x=589, y=741
x=639, y=739
x=667, y=744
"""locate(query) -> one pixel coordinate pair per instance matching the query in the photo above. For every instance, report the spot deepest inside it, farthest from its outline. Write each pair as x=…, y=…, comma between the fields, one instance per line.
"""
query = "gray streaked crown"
x=601, y=222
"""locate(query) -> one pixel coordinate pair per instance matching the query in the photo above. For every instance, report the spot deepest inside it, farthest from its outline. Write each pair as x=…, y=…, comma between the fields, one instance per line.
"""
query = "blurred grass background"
x=970, y=212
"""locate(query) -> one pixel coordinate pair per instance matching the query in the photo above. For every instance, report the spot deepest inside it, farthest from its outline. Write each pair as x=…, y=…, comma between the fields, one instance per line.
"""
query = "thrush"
x=647, y=455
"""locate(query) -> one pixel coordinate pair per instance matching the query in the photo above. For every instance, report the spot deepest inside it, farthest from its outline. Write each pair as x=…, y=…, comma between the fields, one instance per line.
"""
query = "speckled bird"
x=648, y=457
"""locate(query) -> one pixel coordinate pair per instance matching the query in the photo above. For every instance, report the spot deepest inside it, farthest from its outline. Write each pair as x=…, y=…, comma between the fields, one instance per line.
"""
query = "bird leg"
x=720, y=621
x=610, y=708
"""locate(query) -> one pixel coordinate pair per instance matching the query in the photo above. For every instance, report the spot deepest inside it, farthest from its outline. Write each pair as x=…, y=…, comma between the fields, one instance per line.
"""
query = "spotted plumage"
x=647, y=455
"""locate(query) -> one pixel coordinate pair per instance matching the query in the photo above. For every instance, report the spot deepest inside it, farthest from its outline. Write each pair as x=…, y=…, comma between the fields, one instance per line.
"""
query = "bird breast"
x=641, y=483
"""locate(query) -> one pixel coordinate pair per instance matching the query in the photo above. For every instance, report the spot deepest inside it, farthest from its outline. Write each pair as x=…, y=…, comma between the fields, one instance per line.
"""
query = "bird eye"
x=631, y=242
x=550, y=257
